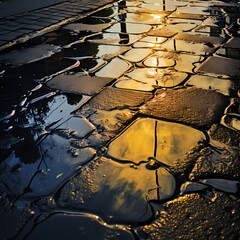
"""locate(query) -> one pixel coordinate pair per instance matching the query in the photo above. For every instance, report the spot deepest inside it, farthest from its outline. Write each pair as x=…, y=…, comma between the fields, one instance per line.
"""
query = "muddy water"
x=52, y=158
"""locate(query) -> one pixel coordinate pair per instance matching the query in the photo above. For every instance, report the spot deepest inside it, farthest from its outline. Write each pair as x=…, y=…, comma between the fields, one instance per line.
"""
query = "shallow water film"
x=124, y=123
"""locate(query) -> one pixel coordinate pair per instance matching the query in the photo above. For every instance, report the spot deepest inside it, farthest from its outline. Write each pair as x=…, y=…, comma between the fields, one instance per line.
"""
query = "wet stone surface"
x=191, y=216
x=190, y=106
x=123, y=124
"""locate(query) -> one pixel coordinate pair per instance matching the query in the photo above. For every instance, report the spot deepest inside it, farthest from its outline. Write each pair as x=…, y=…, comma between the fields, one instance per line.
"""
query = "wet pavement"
x=122, y=122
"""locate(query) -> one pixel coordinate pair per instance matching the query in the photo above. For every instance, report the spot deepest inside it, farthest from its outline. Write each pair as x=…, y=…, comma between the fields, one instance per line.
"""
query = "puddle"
x=154, y=138
x=187, y=16
x=28, y=55
x=113, y=69
x=154, y=40
x=128, y=83
x=94, y=21
x=179, y=45
x=114, y=38
x=136, y=55
x=59, y=37
x=171, y=29
x=168, y=2
x=81, y=27
x=49, y=112
x=224, y=86
x=154, y=76
x=187, y=62
x=42, y=69
x=106, y=12
x=221, y=65
x=55, y=161
x=126, y=188
x=231, y=121
x=147, y=45
x=77, y=84
x=60, y=226
x=151, y=19
x=89, y=49
x=156, y=60
x=144, y=7
x=128, y=28
x=157, y=77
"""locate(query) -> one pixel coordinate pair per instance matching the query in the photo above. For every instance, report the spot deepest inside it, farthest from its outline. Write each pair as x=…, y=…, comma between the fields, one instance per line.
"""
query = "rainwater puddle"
x=79, y=84
x=154, y=138
x=28, y=55
x=231, y=121
x=128, y=83
x=179, y=45
x=59, y=37
x=145, y=7
x=83, y=226
x=128, y=28
x=89, y=49
x=187, y=16
x=171, y=29
x=42, y=69
x=154, y=40
x=81, y=27
x=147, y=45
x=50, y=112
x=168, y=2
x=157, y=60
x=107, y=12
x=155, y=77
x=114, y=38
x=127, y=190
x=145, y=18
x=55, y=162
x=136, y=55
x=224, y=86
x=187, y=62
x=113, y=69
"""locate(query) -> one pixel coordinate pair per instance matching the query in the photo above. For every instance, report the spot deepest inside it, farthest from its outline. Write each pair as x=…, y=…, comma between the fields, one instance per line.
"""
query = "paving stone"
x=221, y=164
x=221, y=65
x=34, y=27
x=10, y=36
x=225, y=135
x=78, y=84
x=120, y=99
x=2, y=42
x=192, y=106
x=195, y=216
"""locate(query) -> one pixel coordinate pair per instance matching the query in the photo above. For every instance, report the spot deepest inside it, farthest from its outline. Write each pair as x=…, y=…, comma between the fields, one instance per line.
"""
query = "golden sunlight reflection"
x=148, y=137
x=129, y=182
x=155, y=61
